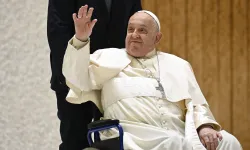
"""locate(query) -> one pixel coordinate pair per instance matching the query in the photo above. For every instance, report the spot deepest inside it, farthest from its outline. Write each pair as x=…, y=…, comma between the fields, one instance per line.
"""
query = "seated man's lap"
x=228, y=142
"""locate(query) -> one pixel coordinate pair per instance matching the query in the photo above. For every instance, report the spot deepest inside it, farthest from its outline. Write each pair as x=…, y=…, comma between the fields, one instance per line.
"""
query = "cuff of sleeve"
x=78, y=44
x=213, y=124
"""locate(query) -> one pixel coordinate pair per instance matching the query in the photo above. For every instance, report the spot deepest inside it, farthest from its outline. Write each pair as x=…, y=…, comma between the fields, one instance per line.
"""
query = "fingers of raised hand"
x=84, y=10
x=84, y=13
x=92, y=24
x=80, y=12
x=74, y=17
x=90, y=12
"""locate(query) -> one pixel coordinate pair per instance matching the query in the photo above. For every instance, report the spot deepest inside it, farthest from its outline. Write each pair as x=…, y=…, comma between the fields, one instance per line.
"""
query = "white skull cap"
x=153, y=16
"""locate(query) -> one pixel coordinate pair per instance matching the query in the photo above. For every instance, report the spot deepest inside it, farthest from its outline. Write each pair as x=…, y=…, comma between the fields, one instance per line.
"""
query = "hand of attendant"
x=83, y=23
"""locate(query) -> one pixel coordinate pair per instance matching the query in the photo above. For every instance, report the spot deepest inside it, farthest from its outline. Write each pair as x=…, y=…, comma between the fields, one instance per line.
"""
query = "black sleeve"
x=60, y=28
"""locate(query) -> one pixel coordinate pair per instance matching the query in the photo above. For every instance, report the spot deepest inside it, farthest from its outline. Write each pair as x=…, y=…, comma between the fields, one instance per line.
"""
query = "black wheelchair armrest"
x=109, y=144
x=102, y=123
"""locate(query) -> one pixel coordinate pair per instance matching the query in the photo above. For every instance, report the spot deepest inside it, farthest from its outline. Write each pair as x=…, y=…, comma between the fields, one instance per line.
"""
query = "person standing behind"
x=109, y=31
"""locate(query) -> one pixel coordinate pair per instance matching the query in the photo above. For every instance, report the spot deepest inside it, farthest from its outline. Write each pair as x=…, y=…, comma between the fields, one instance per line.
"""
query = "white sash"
x=122, y=88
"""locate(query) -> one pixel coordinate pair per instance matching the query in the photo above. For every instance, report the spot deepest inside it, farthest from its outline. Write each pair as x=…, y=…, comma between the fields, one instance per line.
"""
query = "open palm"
x=83, y=23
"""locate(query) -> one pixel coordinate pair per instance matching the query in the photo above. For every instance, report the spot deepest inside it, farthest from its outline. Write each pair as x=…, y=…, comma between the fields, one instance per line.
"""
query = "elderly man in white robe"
x=154, y=94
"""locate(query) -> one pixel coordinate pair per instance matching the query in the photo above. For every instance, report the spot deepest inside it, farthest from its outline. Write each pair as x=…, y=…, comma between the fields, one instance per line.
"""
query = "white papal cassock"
x=122, y=89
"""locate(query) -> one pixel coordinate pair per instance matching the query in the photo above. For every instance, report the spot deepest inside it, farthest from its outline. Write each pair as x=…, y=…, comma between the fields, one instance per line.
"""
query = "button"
x=163, y=122
x=147, y=71
x=159, y=106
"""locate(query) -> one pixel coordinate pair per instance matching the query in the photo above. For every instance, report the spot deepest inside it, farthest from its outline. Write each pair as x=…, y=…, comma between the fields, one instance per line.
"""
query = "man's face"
x=142, y=35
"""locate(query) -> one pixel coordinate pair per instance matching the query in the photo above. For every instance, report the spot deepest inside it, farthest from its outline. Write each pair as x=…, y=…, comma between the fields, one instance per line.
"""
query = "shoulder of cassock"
x=112, y=58
x=180, y=71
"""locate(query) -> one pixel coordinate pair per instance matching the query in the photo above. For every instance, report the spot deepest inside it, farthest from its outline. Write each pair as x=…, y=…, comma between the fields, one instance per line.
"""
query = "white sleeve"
x=75, y=66
x=88, y=72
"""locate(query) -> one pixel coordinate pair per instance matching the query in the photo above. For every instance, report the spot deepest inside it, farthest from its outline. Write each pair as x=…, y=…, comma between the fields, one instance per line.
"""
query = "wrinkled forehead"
x=141, y=19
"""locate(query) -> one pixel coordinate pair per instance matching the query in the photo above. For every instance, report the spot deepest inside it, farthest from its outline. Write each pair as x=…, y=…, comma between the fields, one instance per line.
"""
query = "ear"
x=158, y=37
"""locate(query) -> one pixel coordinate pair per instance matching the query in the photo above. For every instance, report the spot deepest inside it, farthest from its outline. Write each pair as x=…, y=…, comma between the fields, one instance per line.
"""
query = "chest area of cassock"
x=147, y=77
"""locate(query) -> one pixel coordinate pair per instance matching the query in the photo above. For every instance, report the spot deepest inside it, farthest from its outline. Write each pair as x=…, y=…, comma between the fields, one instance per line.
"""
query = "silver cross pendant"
x=161, y=89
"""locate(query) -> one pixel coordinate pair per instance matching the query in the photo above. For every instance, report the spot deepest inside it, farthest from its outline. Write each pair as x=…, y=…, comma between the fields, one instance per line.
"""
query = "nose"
x=135, y=34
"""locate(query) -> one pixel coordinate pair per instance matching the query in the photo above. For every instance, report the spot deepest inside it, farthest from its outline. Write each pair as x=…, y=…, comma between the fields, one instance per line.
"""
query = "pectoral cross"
x=161, y=89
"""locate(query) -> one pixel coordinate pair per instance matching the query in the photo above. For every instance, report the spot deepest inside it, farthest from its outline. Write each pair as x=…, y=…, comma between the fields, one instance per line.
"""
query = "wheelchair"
x=109, y=144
